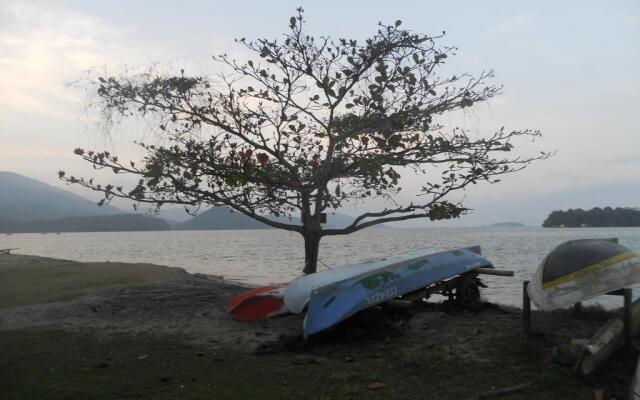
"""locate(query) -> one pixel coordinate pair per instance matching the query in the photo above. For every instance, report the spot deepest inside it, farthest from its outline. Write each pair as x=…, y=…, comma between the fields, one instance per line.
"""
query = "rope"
x=325, y=265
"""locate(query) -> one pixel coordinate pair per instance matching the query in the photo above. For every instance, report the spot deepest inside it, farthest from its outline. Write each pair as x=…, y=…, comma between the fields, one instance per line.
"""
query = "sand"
x=126, y=298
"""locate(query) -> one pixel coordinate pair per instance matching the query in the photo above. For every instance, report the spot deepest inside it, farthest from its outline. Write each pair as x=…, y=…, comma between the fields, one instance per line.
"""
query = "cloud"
x=41, y=49
x=514, y=22
x=631, y=20
x=628, y=160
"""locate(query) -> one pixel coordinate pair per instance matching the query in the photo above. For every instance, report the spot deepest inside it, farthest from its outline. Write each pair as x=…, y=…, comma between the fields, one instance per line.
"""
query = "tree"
x=310, y=125
x=596, y=217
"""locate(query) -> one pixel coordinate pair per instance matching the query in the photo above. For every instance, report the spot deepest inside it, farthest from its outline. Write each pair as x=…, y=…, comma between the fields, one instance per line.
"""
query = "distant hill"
x=507, y=225
x=596, y=217
x=221, y=218
x=224, y=218
x=27, y=205
x=100, y=223
x=334, y=220
x=26, y=199
x=176, y=213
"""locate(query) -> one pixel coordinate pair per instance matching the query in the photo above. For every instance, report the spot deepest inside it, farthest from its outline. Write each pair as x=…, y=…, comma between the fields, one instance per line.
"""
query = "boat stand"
x=626, y=293
x=7, y=251
x=464, y=289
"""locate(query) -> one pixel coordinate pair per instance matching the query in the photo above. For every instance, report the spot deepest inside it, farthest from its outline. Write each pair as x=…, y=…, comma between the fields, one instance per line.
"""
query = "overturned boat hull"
x=332, y=304
x=258, y=303
x=299, y=290
x=579, y=270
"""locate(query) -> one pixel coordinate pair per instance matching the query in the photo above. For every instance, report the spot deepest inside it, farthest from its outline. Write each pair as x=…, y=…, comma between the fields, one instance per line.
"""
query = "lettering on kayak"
x=328, y=303
x=383, y=295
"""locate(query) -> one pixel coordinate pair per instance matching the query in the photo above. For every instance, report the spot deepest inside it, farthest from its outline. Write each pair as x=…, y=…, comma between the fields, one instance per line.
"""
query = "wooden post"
x=628, y=334
x=491, y=271
x=577, y=307
x=526, y=309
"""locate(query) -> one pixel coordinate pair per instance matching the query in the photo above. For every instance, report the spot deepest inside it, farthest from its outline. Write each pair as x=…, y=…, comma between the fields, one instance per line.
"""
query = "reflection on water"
x=266, y=256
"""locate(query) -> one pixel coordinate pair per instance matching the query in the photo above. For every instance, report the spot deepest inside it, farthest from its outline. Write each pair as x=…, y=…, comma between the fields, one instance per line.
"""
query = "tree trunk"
x=311, y=247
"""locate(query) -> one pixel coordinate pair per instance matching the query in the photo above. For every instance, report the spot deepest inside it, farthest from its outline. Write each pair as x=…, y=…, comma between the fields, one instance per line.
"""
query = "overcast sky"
x=569, y=69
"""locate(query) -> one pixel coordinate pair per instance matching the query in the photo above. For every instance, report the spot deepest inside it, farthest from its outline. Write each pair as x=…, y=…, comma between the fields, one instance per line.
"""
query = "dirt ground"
x=147, y=303
x=156, y=300
x=160, y=300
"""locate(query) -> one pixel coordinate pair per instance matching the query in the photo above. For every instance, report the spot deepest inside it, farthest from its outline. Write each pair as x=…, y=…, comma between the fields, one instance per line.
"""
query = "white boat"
x=579, y=270
x=299, y=290
x=336, y=302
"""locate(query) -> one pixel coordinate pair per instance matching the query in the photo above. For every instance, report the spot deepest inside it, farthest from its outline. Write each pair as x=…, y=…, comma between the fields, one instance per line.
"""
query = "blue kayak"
x=334, y=303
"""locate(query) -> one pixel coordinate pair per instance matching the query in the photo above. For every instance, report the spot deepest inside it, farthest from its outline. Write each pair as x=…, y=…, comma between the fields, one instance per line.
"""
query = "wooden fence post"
x=526, y=309
x=628, y=334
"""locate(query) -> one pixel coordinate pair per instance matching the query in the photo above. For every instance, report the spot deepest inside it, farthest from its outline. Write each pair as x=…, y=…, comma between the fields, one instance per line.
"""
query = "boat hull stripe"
x=589, y=270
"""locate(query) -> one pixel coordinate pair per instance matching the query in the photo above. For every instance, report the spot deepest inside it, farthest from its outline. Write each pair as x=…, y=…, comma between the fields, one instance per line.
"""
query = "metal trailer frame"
x=463, y=289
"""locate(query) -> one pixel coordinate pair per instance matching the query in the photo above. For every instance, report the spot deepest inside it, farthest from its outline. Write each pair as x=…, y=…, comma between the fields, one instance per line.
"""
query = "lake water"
x=268, y=256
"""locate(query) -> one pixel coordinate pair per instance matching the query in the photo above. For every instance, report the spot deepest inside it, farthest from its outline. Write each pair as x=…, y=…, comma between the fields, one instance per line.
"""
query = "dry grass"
x=33, y=280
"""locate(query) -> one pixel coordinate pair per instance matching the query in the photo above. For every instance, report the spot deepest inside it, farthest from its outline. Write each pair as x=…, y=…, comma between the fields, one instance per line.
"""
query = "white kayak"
x=297, y=294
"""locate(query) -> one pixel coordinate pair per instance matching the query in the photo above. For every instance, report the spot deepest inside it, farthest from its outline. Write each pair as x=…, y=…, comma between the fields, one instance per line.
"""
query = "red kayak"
x=258, y=303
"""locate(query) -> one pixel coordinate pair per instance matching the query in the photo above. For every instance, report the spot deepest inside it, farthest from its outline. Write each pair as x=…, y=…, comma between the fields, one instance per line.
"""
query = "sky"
x=568, y=68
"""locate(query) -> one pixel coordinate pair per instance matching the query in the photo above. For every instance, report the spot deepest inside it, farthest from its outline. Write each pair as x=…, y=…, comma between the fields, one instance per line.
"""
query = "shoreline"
x=167, y=330
x=115, y=297
x=277, y=256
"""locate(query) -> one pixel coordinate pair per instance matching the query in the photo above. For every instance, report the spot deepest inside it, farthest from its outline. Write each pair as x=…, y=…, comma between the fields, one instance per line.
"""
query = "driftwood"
x=611, y=336
x=7, y=251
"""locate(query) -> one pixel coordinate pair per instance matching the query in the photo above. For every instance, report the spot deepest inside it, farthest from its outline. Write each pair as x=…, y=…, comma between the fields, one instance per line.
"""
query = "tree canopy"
x=596, y=217
x=309, y=125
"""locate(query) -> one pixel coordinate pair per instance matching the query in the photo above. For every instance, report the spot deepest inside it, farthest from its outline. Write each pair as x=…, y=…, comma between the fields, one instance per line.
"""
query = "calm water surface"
x=267, y=256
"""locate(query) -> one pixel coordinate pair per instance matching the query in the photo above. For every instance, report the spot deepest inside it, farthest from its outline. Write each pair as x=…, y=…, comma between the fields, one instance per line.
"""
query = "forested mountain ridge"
x=97, y=223
x=226, y=218
x=26, y=199
x=28, y=205
x=596, y=217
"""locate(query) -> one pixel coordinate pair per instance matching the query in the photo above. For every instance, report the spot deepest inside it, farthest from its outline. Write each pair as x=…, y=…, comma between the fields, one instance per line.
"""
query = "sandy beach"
x=150, y=331
x=123, y=298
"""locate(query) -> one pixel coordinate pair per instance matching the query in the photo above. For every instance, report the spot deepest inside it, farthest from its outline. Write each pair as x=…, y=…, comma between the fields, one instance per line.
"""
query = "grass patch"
x=62, y=365
x=62, y=280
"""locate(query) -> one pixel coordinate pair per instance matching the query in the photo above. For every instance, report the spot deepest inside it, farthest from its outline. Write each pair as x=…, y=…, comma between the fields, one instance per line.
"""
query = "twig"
x=503, y=391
